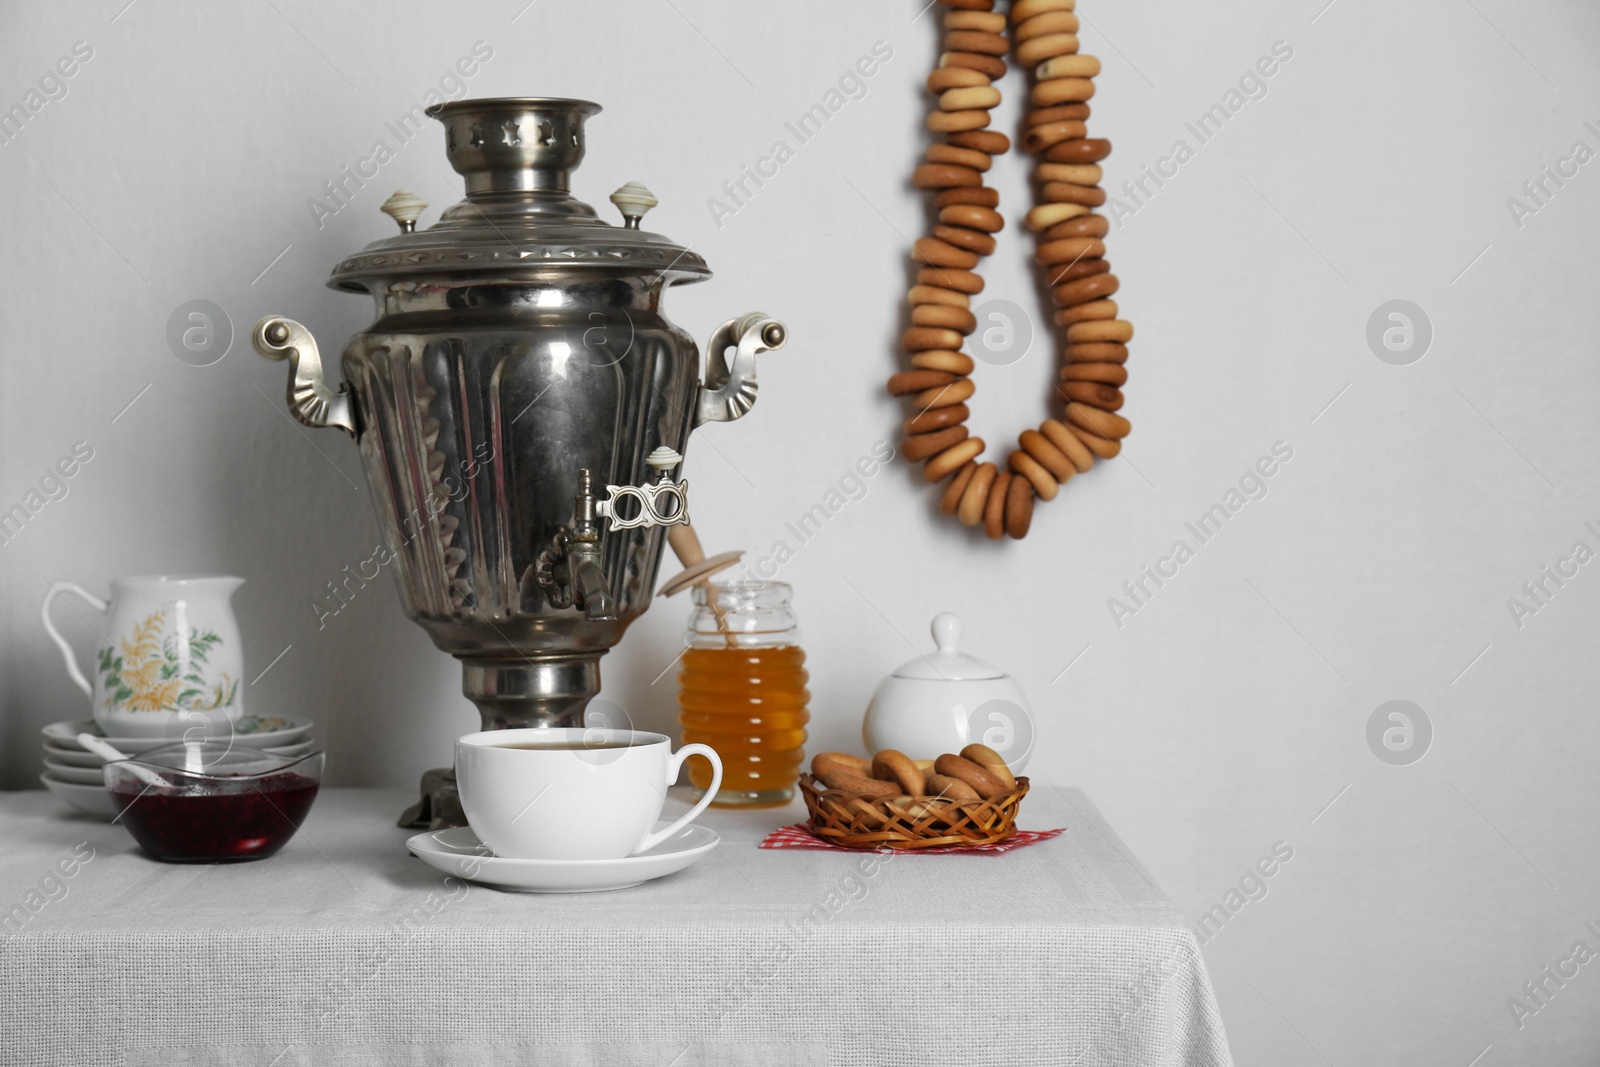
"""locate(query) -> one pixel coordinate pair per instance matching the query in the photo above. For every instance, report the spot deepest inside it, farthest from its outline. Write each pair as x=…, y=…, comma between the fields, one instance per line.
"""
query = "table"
x=344, y=950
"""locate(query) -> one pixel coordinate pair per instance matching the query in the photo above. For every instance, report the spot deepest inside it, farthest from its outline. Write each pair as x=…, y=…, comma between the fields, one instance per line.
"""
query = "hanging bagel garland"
x=1071, y=255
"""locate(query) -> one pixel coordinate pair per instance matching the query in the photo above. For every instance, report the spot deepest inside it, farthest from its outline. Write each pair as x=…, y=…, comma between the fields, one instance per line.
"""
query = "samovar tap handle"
x=569, y=568
x=310, y=399
x=729, y=390
x=662, y=502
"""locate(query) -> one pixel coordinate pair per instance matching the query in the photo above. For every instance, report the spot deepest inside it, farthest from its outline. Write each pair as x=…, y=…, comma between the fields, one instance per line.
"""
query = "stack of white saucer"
x=73, y=773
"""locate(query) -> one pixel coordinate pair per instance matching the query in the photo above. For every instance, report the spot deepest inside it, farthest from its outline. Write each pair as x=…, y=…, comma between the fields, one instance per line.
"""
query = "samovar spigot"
x=580, y=580
x=571, y=574
x=583, y=556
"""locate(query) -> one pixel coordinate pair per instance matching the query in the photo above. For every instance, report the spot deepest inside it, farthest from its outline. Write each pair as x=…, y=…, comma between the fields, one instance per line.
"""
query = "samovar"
x=521, y=404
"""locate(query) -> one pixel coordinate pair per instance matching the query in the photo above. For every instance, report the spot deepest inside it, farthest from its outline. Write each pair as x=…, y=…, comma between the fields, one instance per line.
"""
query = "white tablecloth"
x=345, y=950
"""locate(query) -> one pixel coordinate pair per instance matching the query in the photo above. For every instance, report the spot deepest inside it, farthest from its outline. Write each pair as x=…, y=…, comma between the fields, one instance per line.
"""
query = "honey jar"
x=742, y=690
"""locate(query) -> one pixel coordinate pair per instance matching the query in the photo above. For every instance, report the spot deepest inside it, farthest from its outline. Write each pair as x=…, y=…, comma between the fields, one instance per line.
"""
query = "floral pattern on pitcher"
x=146, y=673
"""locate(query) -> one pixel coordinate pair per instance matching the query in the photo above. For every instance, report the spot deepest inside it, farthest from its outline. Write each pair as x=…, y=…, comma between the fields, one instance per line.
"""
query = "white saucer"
x=72, y=757
x=459, y=852
x=75, y=775
x=259, y=730
x=90, y=799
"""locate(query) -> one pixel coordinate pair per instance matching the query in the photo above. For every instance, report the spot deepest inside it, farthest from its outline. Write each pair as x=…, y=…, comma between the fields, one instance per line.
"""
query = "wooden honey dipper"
x=697, y=569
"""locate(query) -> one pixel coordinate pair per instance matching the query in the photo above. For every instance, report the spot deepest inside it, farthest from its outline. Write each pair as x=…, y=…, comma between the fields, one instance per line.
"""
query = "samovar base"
x=537, y=690
x=440, y=806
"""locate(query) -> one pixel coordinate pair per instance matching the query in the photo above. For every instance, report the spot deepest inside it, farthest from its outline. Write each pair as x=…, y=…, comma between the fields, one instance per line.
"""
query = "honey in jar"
x=742, y=690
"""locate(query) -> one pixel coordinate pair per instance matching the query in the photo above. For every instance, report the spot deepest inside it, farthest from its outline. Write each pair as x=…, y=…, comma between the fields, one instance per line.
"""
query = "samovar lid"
x=517, y=154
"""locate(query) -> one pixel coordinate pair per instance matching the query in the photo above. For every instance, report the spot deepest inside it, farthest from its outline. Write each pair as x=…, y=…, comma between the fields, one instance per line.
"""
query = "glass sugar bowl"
x=742, y=690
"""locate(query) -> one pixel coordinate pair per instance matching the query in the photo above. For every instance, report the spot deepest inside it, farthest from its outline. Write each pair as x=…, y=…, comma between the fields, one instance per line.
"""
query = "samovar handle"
x=729, y=390
x=310, y=399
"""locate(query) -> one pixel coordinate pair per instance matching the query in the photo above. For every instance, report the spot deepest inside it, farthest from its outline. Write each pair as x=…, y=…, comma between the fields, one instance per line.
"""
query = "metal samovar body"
x=521, y=403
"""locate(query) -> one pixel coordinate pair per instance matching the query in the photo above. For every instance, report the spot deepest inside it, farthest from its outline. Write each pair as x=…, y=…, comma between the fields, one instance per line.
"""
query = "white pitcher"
x=169, y=657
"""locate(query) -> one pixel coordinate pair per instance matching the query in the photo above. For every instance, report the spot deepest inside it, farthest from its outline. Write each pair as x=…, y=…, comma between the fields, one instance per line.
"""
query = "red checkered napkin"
x=800, y=836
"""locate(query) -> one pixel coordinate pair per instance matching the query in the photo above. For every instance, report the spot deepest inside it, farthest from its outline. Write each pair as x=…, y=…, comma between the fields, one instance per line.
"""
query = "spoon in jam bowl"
x=111, y=754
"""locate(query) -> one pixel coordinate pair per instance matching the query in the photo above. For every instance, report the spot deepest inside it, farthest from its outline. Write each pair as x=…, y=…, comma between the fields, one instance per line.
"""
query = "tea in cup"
x=570, y=793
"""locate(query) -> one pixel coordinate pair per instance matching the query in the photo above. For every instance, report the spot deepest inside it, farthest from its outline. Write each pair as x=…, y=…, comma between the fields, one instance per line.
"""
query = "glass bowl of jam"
x=211, y=801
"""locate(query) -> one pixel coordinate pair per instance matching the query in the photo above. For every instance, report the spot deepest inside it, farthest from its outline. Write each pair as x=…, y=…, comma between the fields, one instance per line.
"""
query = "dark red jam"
x=208, y=825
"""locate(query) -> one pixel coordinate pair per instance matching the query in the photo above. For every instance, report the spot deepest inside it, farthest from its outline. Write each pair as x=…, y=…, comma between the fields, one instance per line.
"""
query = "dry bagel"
x=940, y=785
x=824, y=762
x=847, y=782
x=991, y=761
x=894, y=766
x=978, y=777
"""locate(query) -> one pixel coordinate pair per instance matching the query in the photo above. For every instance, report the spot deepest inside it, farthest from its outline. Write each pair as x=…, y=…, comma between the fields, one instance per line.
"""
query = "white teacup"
x=572, y=794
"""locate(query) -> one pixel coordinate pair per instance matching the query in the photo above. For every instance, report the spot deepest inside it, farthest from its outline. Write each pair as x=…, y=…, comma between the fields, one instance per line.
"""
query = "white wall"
x=1221, y=718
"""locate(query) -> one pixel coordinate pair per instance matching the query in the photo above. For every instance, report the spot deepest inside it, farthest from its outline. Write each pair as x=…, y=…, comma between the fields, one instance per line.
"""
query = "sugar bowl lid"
x=517, y=155
x=946, y=663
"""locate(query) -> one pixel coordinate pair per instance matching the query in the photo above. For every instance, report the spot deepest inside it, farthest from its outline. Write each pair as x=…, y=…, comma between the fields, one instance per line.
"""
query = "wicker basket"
x=854, y=821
